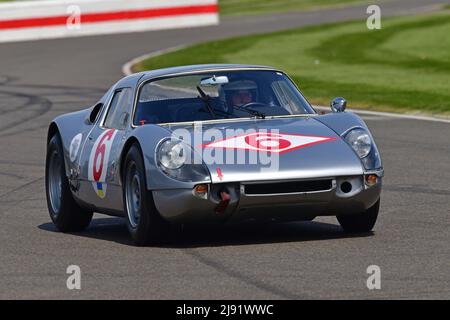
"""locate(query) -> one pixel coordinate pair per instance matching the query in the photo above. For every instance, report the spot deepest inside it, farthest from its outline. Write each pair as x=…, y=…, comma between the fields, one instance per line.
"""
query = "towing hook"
x=224, y=201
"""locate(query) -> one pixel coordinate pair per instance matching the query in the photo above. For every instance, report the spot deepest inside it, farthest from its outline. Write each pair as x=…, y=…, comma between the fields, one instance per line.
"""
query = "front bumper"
x=182, y=206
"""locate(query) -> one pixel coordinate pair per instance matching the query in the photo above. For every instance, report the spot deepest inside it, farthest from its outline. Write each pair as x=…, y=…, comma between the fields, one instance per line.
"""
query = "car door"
x=100, y=177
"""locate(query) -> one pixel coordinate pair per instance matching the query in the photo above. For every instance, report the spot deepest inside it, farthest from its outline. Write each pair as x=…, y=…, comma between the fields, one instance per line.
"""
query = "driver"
x=239, y=93
x=241, y=97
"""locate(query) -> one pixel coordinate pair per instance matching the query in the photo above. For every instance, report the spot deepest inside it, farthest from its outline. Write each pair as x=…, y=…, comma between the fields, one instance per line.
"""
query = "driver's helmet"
x=240, y=92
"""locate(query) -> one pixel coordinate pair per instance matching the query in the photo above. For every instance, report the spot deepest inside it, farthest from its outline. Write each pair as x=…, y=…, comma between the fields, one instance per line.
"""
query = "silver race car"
x=210, y=143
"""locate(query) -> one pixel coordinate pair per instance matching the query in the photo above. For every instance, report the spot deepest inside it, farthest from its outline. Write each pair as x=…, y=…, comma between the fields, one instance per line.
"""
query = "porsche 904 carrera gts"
x=210, y=143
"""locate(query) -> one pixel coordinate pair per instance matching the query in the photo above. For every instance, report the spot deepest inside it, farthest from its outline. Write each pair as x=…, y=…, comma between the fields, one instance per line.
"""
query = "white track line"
x=127, y=70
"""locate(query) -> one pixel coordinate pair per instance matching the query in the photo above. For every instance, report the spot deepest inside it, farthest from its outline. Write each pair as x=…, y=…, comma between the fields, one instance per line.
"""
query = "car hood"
x=301, y=148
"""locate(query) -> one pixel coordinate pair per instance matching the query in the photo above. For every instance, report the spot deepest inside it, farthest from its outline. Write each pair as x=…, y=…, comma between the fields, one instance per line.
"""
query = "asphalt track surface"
x=410, y=243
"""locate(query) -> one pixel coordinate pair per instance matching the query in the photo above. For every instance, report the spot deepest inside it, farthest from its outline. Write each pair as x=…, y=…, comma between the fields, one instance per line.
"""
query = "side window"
x=95, y=112
x=119, y=112
x=286, y=96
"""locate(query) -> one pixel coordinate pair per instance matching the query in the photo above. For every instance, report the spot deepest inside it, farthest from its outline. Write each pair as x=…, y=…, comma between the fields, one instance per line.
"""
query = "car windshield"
x=219, y=95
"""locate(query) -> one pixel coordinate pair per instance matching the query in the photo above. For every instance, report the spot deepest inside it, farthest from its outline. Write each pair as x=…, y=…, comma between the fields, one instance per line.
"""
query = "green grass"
x=251, y=7
x=405, y=66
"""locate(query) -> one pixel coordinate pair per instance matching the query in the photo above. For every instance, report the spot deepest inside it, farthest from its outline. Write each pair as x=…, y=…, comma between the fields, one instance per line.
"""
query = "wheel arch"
x=127, y=146
x=52, y=130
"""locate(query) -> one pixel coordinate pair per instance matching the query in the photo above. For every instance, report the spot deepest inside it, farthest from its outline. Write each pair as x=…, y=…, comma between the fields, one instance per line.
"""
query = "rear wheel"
x=361, y=222
x=144, y=222
x=65, y=213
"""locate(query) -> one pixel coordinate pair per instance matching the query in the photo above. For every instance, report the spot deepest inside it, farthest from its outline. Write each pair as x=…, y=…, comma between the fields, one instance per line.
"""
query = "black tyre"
x=65, y=213
x=144, y=222
x=361, y=222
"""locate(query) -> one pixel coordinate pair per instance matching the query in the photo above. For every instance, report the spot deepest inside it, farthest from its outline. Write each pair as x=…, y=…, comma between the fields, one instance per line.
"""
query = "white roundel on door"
x=98, y=161
x=75, y=147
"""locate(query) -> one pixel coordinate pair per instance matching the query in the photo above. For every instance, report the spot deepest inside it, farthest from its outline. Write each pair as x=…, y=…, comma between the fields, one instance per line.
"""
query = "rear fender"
x=72, y=129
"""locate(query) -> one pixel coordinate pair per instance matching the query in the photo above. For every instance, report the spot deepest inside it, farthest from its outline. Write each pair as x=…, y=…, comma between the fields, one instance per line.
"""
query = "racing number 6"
x=100, y=151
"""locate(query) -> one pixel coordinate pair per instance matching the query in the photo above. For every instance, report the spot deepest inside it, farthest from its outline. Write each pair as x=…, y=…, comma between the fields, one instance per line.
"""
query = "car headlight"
x=171, y=154
x=360, y=140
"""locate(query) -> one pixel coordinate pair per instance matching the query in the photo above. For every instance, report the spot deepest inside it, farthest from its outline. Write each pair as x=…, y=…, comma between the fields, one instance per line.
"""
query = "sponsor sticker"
x=98, y=161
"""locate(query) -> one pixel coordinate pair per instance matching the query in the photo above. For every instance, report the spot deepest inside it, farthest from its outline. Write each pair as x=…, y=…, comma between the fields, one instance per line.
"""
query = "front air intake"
x=288, y=187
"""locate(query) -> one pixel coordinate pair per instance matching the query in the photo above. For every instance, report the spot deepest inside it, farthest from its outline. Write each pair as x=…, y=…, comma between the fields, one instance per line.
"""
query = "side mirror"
x=94, y=114
x=338, y=104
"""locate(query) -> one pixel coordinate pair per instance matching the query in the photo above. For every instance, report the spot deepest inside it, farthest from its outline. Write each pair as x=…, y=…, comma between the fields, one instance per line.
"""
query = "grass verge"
x=252, y=7
x=405, y=66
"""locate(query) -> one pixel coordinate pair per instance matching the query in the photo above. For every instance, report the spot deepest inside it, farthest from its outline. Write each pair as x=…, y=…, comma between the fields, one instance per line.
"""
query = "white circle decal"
x=75, y=146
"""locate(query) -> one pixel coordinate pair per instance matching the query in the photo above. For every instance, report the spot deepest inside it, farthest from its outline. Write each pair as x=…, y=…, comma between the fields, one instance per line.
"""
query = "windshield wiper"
x=253, y=112
x=207, y=100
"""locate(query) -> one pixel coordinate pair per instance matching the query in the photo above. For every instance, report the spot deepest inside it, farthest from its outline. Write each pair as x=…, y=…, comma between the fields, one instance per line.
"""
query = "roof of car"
x=145, y=75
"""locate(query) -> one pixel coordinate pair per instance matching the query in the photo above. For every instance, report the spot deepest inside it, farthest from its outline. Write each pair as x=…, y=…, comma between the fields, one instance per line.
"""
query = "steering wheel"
x=252, y=104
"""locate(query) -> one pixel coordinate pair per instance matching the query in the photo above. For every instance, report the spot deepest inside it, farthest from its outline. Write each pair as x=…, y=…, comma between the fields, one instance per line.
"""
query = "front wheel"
x=65, y=213
x=360, y=222
x=144, y=222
